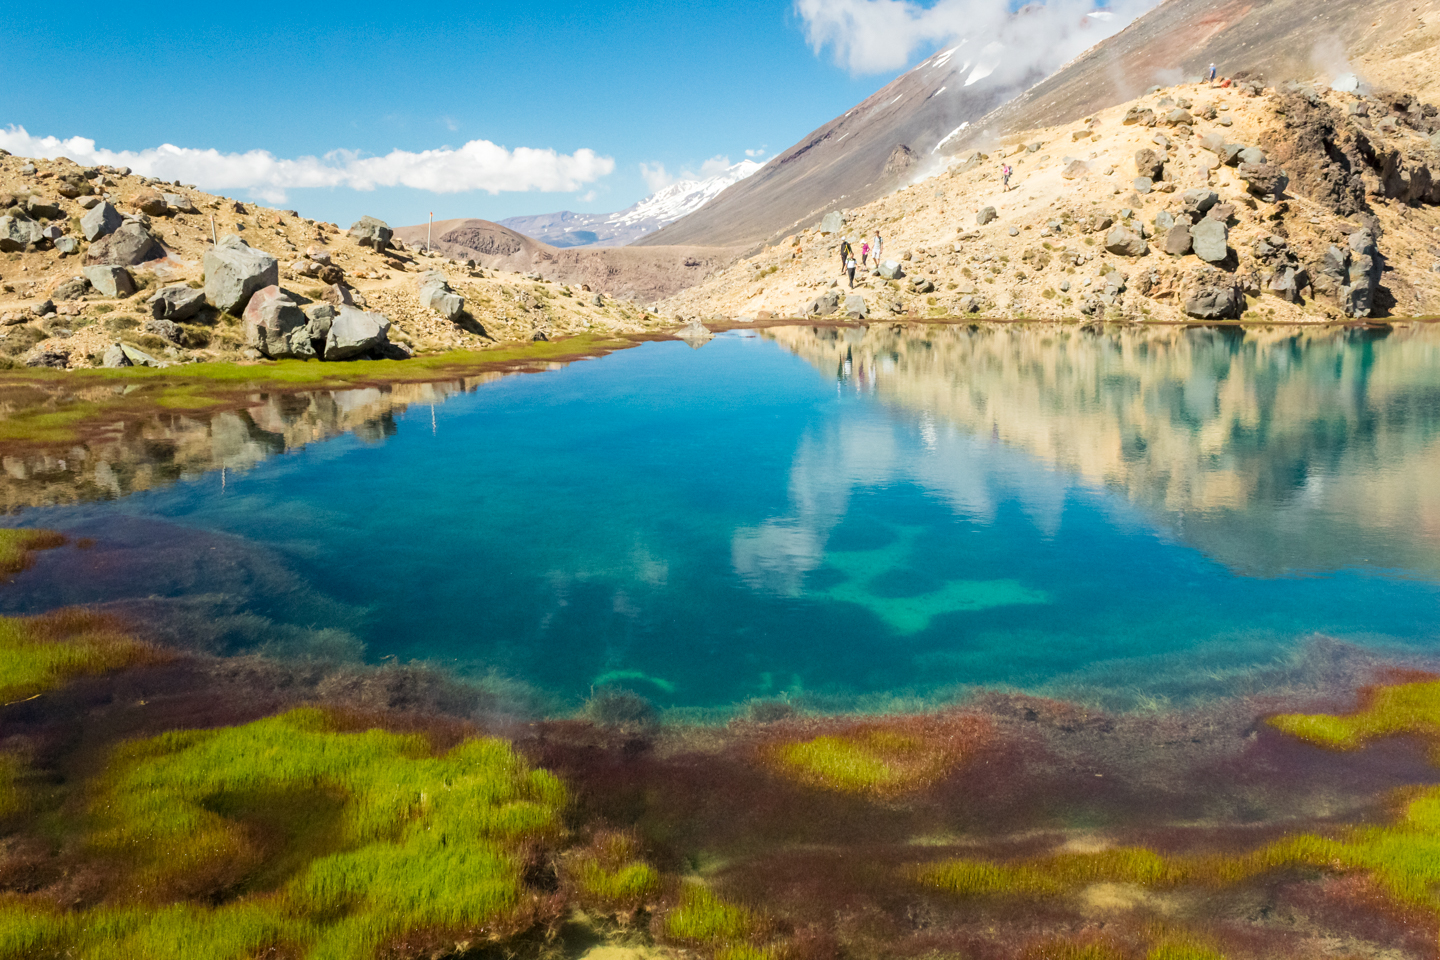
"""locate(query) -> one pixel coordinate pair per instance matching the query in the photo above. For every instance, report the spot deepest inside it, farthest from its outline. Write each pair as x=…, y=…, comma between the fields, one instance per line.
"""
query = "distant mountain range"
x=566, y=229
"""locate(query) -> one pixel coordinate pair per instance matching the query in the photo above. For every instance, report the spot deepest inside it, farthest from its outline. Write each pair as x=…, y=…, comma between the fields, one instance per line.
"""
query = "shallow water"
x=847, y=515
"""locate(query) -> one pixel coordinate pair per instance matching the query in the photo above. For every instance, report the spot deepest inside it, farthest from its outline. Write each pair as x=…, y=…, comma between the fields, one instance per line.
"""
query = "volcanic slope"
x=1149, y=211
x=933, y=112
x=644, y=274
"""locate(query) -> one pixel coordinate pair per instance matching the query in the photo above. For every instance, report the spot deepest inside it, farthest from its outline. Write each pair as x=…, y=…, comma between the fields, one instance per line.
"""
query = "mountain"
x=627, y=272
x=566, y=229
x=964, y=98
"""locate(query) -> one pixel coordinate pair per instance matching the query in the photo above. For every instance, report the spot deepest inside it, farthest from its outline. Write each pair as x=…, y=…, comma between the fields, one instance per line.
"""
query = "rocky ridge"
x=100, y=266
x=1239, y=200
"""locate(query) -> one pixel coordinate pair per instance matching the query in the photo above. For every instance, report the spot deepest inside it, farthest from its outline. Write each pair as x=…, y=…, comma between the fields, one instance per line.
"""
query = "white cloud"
x=477, y=165
x=711, y=168
x=589, y=196
x=755, y=154
x=874, y=36
x=656, y=178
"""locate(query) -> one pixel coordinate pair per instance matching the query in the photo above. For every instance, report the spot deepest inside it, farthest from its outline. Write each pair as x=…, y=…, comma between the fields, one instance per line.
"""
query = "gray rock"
x=138, y=357
x=57, y=359
x=338, y=295
x=166, y=330
x=270, y=317
x=1253, y=156
x=370, y=232
x=1142, y=185
x=969, y=305
x=302, y=344
x=1362, y=276
x=1149, y=164
x=130, y=245
x=1210, y=240
x=176, y=302
x=1264, y=180
x=891, y=270
x=1179, y=116
x=923, y=285
x=1075, y=169
x=71, y=289
x=234, y=271
x=1177, y=240
x=1164, y=220
x=52, y=232
x=355, y=333
x=110, y=281
x=100, y=221
x=179, y=203
x=832, y=223
x=986, y=215
x=1124, y=242
x=1220, y=301
x=855, y=307
x=1286, y=283
x=1196, y=203
x=67, y=246
x=115, y=358
x=825, y=304
x=89, y=203
x=436, y=294
x=319, y=317
x=17, y=233
x=44, y=308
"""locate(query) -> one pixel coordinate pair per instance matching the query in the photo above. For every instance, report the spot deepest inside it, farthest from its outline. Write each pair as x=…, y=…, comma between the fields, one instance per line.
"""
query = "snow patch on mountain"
x=680, y=199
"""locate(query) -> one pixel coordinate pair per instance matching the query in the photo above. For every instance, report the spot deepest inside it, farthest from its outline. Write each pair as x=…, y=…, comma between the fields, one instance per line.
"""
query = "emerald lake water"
x=845, y=515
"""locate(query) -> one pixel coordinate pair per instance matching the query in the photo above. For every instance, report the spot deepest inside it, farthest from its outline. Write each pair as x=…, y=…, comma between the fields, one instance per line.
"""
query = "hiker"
x=850, y=269
x=1005, y=175
x=864, y=252
x=846, y=253
x=877, y=247
x=1212, y=73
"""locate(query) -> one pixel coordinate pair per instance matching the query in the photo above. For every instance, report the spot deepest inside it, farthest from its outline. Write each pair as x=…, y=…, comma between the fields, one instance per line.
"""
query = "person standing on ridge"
x=879, y=244
x=864, y=251
x=1005, y=175
x=846, y=254
x=1212, y=73
x=850, y=268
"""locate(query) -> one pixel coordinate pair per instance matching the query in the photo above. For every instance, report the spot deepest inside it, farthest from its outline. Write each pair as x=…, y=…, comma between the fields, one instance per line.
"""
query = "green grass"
x=868, y=760
x=17, y=547
x=1405, y=708
x=40, y=653
x=703, y=918
x=336, y=843
x=609, y=872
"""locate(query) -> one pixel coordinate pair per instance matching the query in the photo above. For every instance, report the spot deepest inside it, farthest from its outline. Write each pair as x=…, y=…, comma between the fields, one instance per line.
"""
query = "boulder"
x=986, y=215
x=1149, y=164
x=16, y=233
x=923, y=285
x=150, y=203
x=135, y=357
x=338, y=295
x=1253, y=156
x=1286, y=283
x=67, y=246
x=166, y=330
x=1210, y=240
x=1362, y=276
x=1177, y=240
x=436, y=294
x=234, y=271
x=176, y=302
x=115, y=358
x=891, y=270
x=52, y=232
x=44, y=209
x=72, y=289
x=180, y=204
x=1075, y=169
x=1224, y=212
x=131, y=244
x=855, y=307
x=832, y=223
x=1164, y=220
x=44, y=308
x=270, y=317
x=825, y=304
x=89, y=203
x=1196, y=203
x=1213, y=141
x=370, y=232
x=1138, y=115
x=100, y=221
x=355, y=333
x=318, y=317
x=1263, y=179
x=1179, y=116
x=1216, y=301
x=1142, y=185
x=1124, y=242
x=58, y=359
x=110, y=281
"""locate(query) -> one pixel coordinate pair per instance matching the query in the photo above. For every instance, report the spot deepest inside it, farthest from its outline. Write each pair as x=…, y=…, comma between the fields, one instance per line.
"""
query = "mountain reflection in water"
x=1269, y=450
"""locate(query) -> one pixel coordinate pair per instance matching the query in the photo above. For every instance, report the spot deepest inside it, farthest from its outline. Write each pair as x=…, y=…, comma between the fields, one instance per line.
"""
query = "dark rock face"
x=178, y=302
x=1216, y=297
x=1149, y=164
x=270, y=318
x=902, y=158
x=128, y=246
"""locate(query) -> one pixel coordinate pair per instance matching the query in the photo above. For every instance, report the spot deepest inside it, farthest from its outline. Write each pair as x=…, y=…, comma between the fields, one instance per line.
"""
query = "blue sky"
x=668, y=83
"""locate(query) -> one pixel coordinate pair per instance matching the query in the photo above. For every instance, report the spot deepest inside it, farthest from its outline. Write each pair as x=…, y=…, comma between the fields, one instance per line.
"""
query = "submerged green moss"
x=40, y=653
x=422, y=842
x=17, y=547
x=701, y=917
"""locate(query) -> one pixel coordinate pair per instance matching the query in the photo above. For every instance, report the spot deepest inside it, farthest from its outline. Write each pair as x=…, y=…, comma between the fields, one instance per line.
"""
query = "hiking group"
x=848, y=262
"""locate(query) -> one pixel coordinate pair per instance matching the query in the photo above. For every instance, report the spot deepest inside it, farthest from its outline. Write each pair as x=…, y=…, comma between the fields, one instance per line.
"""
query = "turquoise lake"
x=846, y=517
